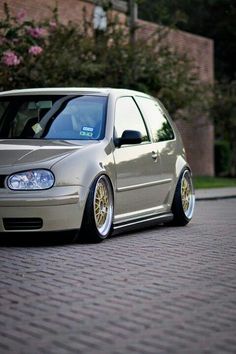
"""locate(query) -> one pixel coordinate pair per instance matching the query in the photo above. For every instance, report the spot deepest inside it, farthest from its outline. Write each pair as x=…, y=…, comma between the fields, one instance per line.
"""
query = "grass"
x=213, y=182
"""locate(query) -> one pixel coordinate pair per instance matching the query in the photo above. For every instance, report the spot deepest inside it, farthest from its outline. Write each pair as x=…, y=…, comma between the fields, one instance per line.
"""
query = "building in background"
x=198, y=134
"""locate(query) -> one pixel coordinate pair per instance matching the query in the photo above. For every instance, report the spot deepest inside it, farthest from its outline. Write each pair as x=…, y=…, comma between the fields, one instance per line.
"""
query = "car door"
x=164, y=142
x=139, y=190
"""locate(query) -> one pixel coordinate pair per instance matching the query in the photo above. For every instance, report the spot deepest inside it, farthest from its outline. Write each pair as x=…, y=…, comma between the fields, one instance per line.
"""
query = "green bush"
x=51, y=54
x=222, y=158
x=223, y=112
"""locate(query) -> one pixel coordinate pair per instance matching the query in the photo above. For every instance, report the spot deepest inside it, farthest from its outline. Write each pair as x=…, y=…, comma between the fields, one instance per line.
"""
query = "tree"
x=223, y=111
x=210, y=18
x=35, y=54
x=214, y=19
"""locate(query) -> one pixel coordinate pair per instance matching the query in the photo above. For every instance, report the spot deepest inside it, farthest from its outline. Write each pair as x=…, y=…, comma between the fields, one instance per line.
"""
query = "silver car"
x=95, y=161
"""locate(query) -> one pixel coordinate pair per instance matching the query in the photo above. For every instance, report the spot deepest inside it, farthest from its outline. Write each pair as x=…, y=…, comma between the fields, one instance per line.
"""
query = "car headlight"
x=31, y=180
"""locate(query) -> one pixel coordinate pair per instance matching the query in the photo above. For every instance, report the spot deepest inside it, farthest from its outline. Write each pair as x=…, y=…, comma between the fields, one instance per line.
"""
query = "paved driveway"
x=163, y=290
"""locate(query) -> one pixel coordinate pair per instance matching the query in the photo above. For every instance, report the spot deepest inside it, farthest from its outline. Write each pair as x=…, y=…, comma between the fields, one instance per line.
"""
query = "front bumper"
x=59, y=208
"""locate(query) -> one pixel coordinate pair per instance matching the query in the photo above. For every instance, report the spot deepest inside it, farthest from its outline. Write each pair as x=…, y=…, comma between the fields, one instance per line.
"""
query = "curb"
x=215, y=198
x=215, y=193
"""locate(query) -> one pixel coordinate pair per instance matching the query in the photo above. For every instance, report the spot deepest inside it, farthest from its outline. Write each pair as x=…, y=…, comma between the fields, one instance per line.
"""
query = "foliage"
x=214, y=19
x=49, y=53
x=223, y=111
x=22, y=41
x=213, y=182
x=222, y=157
x=211, y=18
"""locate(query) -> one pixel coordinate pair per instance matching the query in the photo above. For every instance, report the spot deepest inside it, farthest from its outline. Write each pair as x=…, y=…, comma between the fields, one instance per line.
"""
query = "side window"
x=128, y=117
x=161, y=128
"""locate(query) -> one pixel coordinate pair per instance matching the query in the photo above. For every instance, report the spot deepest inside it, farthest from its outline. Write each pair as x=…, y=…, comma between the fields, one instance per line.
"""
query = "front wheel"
x=184, y=199
x=98, y=215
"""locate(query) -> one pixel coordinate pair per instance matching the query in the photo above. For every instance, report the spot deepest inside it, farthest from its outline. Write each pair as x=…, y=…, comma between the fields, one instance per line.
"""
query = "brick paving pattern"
x=161, y=290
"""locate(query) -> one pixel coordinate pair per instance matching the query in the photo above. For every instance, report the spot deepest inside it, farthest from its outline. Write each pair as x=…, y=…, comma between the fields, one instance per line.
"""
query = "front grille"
x=2, y=179
x=22, y=223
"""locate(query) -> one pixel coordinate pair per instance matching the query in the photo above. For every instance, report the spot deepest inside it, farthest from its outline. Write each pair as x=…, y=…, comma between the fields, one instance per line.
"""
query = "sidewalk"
x=215, y=193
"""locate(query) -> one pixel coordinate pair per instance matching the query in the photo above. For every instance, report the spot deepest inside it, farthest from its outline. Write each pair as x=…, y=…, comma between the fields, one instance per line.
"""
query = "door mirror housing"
x=129, y=137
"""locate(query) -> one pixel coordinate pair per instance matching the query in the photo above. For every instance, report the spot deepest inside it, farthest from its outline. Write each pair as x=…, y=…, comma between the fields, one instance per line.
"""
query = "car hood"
x=21, y=154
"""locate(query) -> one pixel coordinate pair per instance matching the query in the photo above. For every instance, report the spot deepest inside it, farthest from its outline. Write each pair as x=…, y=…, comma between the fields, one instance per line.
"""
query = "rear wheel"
x=184, y=199
x=98, y=215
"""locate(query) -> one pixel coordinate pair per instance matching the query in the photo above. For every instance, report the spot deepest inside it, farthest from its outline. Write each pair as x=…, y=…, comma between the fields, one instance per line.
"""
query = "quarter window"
x=160, y=127
x=128, y=117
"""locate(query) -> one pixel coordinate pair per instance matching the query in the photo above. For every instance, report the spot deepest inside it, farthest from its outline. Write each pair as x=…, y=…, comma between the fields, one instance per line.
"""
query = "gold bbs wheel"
x=187, y=194
x=184, y=200
x=103, y=206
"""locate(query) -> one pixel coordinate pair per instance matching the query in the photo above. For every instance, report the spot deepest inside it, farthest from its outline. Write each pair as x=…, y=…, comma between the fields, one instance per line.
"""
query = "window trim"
x=68, y=96
x=165, y=114
x=149, y=135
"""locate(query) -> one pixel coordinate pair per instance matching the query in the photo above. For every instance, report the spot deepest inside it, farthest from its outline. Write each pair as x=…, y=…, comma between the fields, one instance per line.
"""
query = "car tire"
x=184, y=199
x=97, y=223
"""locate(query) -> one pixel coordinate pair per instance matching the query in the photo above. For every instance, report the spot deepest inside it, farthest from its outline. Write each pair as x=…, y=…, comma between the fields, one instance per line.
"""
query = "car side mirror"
x=129, y=137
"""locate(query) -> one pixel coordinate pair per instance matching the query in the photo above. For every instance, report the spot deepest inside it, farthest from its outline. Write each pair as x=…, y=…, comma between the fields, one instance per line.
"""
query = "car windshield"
x=61, y=117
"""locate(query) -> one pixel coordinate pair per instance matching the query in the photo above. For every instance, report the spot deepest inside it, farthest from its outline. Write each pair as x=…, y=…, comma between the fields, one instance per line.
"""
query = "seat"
x=27, y=131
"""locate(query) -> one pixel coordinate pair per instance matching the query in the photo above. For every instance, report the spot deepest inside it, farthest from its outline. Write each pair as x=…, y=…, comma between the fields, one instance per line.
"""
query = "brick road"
x=163, y=290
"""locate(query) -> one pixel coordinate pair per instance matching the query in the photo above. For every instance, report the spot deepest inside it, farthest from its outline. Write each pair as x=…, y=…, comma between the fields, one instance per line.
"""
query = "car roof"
x=72, y=91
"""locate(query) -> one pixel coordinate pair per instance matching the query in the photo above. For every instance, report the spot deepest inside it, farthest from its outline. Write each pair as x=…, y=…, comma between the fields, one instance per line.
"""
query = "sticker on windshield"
x=37, y=128
x=89, y=134
x=87, y=129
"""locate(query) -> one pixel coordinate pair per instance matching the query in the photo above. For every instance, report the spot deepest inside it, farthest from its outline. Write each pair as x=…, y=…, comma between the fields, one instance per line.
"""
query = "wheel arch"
x=89, y=228
x=180, y=165
x=102, y=172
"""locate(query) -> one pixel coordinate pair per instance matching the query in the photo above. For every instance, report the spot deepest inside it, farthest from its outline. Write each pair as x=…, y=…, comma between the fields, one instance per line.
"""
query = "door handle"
x=154, y=155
